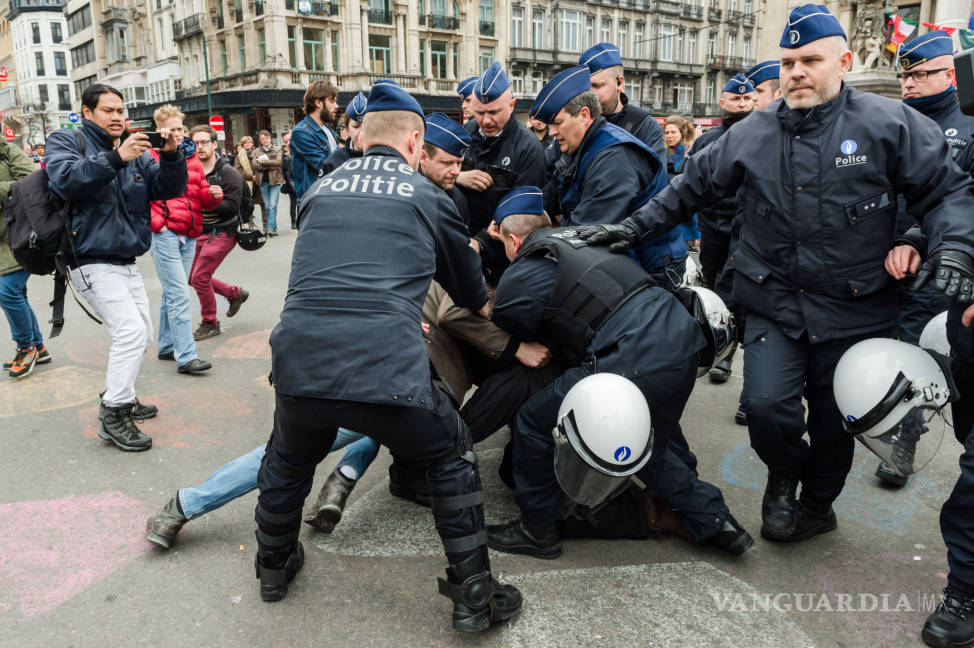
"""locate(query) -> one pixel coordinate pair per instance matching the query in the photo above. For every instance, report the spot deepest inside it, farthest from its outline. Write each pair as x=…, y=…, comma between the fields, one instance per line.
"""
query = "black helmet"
x=250, y=238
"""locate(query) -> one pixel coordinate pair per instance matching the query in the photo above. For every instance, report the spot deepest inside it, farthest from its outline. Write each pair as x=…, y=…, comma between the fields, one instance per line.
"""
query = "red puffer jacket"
x=184, y=215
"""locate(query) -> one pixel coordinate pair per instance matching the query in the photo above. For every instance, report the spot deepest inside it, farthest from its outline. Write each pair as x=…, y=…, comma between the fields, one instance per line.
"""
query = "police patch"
x=950, y=132
x=506, y=161
x=794, y=36
x=849, y=147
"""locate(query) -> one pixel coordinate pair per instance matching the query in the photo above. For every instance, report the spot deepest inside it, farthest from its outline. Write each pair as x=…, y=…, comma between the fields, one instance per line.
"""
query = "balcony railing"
x=486, y=27
x=714, y=14
x=380, y=16
x=749, y=19
x=189, y=26
x=324, y=8
x=667, y=6
x=748, y=63
x=436, y=21
x=692, y=11
x=734, y=16
x=195, y=91
x=726, y=62
x=705, y=109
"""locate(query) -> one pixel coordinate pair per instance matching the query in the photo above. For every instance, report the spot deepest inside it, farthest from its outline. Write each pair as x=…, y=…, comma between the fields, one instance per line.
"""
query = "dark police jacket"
x=111, y=218
x=513, y=159
x=718, y=217
x=641, y=123
x=649, y=330
x=818, y=190
x=350, y=328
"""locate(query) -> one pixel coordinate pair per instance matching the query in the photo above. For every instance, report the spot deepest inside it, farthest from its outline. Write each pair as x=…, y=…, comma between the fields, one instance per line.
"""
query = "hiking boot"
x=721, y=371
x=731, y=538
x=275, y=570
x=23, y=363
x=140, y=412
x=194, y=366
x=237, y=302
x=514, y=537
x=479, y=601
x=328, y=509
x=952, y=625
x=118, y=427
x=206, y=331
x=166, y=523
x=810, y=520
x=778, y=508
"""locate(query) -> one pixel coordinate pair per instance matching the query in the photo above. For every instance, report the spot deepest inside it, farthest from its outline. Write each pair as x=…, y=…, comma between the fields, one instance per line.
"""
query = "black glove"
x=955, y=275
x=619, y=238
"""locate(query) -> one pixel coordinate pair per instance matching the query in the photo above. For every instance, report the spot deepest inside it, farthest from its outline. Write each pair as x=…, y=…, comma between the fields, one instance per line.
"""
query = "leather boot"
x=811, y=519
x=163, y=527
x=722, y=370
x=327, y=510
x=952, y=625
x=479, y=601
x=779, y=508
x=731, y=538
x=515, y=537
x=276, y=569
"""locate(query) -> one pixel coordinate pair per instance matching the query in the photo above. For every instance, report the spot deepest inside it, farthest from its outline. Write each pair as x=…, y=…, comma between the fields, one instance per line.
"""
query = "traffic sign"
x=73, y=118
x=9, y=134
x=216, y=123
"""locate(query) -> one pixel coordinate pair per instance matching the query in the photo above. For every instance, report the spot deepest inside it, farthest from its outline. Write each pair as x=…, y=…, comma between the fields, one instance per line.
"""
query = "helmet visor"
x=581, y=482
x=910, y=444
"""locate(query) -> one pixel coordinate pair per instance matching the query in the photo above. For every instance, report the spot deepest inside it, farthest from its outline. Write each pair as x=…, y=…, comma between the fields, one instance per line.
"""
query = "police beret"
x=356, y=108
x=387, y=95
x=563, y=87
x=809, y=23
x=739, y=84
x=923, y=48
x=491, y=84
x=445, y=133
x=763, y=72
x=601, y=56
x=465, y=89
x=522, y=200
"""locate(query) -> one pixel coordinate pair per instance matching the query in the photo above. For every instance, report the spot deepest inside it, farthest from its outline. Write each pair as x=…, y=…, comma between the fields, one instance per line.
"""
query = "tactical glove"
x=954, y=275
x=619, y=238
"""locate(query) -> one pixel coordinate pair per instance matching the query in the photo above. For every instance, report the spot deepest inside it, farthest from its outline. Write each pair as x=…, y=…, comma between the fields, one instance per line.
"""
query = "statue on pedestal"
x=868, y=42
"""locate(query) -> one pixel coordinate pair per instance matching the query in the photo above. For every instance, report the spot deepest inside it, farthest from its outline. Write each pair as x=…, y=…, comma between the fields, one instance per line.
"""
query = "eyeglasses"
x=920, y=75
x=202, y=142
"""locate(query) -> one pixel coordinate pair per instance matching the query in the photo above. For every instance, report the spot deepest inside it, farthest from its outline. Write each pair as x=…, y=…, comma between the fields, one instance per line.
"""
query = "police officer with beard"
x=819, y=173
x=348, y=351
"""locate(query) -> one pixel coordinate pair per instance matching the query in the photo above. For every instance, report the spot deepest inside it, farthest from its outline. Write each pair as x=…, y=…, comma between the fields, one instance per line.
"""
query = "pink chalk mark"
x=88, y=351
x=51, y=550
x=253, y=346
x=942, y=575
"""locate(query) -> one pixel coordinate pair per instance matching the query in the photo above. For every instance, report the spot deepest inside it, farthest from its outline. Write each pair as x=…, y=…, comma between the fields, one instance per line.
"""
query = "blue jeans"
x=239, y=477
x=173, y=257
x=20, y=316
x=271, y=194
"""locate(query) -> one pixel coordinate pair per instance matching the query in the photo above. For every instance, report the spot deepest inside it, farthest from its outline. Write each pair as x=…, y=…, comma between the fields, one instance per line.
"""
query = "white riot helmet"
x=603, y=436
x=890, y=395
x=692, y=275
x=716, y=322
x=934, y=335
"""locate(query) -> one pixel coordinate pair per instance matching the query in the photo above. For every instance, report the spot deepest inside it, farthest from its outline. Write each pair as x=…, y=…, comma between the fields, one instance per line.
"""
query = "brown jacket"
x=272, y=167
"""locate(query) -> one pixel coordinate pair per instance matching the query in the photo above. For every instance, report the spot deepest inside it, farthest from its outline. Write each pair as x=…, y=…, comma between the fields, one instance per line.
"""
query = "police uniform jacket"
x=818, y=190
x=350, y=328
x=718, y=217
x=641, y=123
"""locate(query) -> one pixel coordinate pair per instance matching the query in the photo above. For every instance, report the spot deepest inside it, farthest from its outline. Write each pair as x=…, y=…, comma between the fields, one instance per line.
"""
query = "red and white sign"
x=3, y=74
x=216, y=123
x=9, y=134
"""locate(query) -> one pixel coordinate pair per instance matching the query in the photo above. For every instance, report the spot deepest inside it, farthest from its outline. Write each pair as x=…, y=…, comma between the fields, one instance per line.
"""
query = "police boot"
x=328, y=509
x=163, y=527
x=904, y=450
x=889, y=476
x=408, y=481
x=812, y=519
x=741, y=416
x=778, y=509
x=731, y=538
x=952, y=625
x=276, y=569
x=479, y=601
x=722, y=370
x=538, y=539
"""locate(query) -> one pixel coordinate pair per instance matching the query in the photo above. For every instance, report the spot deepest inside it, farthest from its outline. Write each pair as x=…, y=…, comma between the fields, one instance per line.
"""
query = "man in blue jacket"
x=313, y=140
x=110, y=185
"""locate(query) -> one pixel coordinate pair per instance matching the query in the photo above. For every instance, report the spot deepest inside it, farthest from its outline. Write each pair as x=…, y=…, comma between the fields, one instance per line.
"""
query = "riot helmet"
x=716, y=322
x=934, y=335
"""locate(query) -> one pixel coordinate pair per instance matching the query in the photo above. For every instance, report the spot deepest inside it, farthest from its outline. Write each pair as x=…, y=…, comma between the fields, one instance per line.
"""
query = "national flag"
x=966, y=37
x=932, y=27
x=897, y=31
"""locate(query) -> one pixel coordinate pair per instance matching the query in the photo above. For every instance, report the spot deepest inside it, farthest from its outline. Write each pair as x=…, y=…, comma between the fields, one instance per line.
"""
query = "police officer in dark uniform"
x=465, y=90
x=504, y=155
x=767, y=87
x=445, y=143
x=819, y=174
x=606, y=172
x=638, y=331
x=348, y=351
x=609, y=83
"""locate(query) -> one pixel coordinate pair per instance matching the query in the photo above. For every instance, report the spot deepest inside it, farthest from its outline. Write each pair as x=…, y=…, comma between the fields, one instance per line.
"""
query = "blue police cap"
x=445, y=133
x=739, y=84
x=491, y=84
x=387, y=95
x=563, y=87
x=809, y=23
x=763, y=72
x=923, y=48
x=465, y=89
x=356, y=108
x=601, y=56
x=522, y=200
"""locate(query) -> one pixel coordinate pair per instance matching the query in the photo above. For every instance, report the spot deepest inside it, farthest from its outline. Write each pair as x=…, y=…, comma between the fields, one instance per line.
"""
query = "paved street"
x=76, y=570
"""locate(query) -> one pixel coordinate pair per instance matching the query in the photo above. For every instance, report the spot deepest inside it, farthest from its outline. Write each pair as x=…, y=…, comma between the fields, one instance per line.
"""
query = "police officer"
x=348, y=351
x=609, y=83
x=638, y=331
x=445, y=143
x=606, y=173
x=465, y=90
x=819, y=173
x=503, y=155
x=767, y=87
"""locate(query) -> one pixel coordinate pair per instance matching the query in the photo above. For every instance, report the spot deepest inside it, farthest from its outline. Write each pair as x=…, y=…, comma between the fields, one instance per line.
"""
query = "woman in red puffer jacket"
x=175, y=225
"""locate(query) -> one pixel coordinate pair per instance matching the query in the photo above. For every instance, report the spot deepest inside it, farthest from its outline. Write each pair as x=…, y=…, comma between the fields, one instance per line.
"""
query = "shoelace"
x=960, y=611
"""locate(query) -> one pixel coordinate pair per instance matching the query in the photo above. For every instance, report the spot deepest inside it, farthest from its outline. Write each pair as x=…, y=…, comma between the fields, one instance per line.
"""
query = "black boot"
x=731, y=538
x=118, y=427
x=276, y=569
x=778, y=509
x=479, y=601
x=327, y=511
x=408, y=481
x=811, y=520
x=741, y=416
x=952, y=625
x=515, y=537
x=889, y=476
x=722, y=370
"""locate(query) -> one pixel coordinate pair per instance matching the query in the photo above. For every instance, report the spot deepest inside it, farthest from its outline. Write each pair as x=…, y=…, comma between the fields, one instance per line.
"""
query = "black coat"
x=641, y=123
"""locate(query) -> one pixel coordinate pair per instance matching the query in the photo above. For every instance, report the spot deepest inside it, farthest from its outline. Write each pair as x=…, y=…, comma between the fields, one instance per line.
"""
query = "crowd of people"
x=524, y=259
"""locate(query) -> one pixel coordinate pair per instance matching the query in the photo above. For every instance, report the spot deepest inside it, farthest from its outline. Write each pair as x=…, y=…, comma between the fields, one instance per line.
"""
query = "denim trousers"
x=20, y=316
x=270, y=194
x=172, y=255
x=239, y=477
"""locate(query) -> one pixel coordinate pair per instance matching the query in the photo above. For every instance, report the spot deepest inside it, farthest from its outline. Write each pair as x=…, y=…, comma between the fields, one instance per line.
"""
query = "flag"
x=970, y=22
x=966, y=37
x=949, y=30
x=897, y=31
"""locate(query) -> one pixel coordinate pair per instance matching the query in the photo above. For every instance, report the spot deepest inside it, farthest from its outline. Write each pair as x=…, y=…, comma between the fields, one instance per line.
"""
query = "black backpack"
x=39, y=231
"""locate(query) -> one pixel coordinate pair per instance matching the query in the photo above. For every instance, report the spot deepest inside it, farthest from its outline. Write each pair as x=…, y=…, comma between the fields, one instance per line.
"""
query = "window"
x=79, y=86
x=261, y=47
x=380, y=54
x=242, y=52
x=683, y=94
x=571, y=31
x=747, y=7
x=606, y=30
x=731, y=45
x=486, y=58
x=712, y=44
x=64, y=96
x=711, y=92
x=692, y=47
x=35, y=29
x=747, y=47
x=487, y=11
x=314, y=48
x=537, y=29
x=116, y=46
x=60, y=64
x=45, y=97
x=517, y=83
x=334, y=50
x=456, y=59
x=732, y=5
x=223, y=57
x=637, y=40
x=635, y=91
x=83, y=54
x=422, y=57
x=79, y=20
x=678, y=45
x=623, y=37
x=39, y=63
x=56, y=32
x=292, y=48
x=438, y=54
x=517, y=26
x=589, y=31
x=666, y=33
